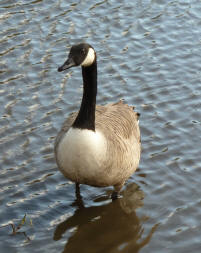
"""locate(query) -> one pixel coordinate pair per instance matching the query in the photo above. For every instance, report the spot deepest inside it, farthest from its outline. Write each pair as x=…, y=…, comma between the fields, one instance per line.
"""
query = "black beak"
x=67, y=64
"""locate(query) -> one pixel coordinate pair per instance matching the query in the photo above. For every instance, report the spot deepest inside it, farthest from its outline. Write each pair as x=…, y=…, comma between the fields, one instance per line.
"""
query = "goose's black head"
x=80, y=55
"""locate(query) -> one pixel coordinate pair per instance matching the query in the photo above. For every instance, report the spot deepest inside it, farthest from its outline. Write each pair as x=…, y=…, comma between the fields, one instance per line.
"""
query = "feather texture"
x=119, y=125
x=99, y=145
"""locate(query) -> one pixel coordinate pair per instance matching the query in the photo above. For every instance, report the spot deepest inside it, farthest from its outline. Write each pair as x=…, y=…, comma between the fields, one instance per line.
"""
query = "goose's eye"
x=83, y=51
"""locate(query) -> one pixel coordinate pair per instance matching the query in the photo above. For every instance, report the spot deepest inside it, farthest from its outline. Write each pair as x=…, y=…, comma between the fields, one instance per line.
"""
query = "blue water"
x=149, y=54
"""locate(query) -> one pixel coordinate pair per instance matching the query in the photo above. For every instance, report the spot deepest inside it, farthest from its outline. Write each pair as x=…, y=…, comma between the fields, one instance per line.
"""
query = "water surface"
x=148, y=54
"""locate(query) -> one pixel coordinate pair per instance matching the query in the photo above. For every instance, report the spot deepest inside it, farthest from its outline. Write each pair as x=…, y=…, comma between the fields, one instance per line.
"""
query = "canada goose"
x=99, y=145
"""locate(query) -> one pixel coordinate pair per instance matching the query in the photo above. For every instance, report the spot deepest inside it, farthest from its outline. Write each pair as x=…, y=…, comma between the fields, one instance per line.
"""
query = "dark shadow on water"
x=112, y=227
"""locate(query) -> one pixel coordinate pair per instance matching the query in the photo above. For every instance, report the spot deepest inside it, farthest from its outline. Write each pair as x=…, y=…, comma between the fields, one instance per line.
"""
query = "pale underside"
x=108, y=156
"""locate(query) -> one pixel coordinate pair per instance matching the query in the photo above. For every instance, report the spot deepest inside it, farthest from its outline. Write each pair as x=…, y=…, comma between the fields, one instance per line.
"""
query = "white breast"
x=81, y=155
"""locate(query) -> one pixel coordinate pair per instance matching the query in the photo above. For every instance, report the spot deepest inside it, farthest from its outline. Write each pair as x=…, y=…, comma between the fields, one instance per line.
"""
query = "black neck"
x=86, y=116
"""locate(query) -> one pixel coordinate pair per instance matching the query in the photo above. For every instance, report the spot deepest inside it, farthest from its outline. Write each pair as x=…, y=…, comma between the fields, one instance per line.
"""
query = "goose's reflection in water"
x=113, y=227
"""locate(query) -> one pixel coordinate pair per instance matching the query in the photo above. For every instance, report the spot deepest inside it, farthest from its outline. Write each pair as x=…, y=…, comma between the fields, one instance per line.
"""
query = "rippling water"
x=148, y=54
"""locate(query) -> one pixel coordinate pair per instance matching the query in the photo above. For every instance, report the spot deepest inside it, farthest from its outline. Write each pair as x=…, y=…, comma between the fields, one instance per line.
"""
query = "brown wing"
x=119, y=124
x=118, y=118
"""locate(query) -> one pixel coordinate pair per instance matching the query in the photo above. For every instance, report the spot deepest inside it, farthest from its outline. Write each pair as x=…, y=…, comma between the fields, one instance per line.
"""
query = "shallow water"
x=148, y=54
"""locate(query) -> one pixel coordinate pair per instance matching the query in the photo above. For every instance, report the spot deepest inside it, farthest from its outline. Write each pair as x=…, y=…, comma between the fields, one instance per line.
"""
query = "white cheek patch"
x=89, y=58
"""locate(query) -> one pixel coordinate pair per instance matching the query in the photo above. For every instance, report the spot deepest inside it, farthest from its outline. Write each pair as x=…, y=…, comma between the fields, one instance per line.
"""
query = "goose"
x=98, y=145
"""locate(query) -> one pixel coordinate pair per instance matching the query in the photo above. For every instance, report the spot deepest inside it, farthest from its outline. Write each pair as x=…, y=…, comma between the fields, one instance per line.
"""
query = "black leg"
x=115, y=195
x=78, y=201
x=77, y=190
x=117, y=189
